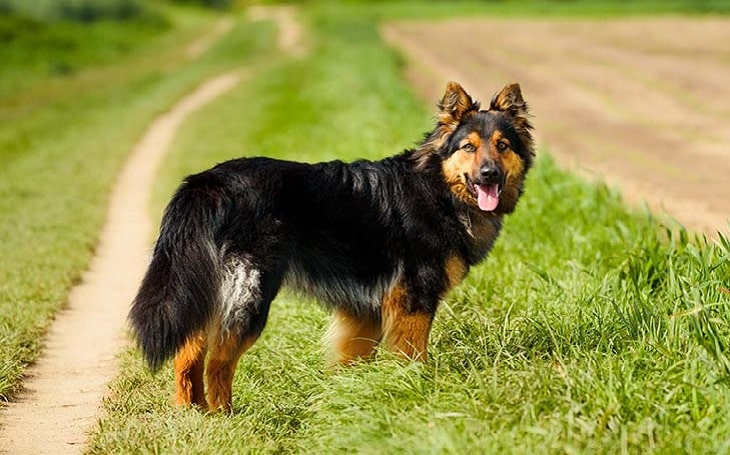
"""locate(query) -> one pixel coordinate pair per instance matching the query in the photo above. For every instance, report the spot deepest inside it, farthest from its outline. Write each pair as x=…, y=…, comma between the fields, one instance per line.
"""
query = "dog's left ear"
x=455, y=104
x=510, y=101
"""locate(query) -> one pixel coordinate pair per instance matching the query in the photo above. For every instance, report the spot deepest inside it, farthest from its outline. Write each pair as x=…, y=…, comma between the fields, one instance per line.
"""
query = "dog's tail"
x=179, y=292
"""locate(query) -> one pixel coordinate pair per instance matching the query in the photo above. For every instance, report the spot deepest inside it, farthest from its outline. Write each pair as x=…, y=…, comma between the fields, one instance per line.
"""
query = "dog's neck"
x=482, y=229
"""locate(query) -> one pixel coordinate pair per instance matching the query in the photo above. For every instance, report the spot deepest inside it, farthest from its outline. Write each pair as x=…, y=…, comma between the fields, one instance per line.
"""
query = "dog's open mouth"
x=487, y=195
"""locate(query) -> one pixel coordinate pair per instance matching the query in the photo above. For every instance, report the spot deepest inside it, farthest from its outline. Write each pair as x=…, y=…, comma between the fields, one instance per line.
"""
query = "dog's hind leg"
x=189, y=367
x=406, y=331
x=352, y=338
x=248, y=286
x=221, y=368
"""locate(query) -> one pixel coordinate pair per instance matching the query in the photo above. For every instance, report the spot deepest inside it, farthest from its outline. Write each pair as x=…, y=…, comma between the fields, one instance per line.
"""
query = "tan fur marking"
x=189, y=367
x=475, y=139
x=455, y=269
x=496, y=138
x=513, y=165
x=221, y=368
x=515, y=169
x=352, y=338
x=454, y=168
x=406, y=334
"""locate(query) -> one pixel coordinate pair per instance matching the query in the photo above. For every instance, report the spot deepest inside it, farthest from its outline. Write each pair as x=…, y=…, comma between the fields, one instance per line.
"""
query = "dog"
x=380, y=242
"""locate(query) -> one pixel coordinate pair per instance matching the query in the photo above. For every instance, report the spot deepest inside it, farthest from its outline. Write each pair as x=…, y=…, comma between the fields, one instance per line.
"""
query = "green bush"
x=94, y=10
x=75, y=10
x=217, y=4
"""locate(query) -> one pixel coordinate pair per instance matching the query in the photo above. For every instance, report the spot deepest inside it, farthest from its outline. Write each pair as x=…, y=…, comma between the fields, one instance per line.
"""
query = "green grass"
x=36, y=46
x=409, y=9
x=590, y=328
x=62, y=143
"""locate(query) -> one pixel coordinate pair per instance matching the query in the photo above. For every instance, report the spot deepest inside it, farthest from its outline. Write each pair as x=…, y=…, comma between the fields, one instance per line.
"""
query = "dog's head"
x=484, y=155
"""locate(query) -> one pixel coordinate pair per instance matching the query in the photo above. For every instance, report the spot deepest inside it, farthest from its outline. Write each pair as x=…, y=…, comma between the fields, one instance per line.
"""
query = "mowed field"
x=641, y=102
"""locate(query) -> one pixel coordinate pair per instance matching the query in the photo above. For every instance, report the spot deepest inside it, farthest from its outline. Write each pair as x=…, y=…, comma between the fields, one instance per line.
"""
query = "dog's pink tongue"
x=487, y=197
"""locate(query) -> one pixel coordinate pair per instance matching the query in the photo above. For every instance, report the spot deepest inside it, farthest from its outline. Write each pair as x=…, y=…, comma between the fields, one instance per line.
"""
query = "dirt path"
x=202, y=44
x=62, y=391
x=290, y=38
x=642, y=103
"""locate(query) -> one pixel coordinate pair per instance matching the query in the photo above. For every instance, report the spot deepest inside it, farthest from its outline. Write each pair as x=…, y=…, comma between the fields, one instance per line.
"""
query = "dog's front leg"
x=352, y=338
x=405, y=328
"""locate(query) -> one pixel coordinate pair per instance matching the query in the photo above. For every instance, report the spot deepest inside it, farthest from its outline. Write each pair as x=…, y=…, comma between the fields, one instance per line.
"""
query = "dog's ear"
x=455, y=104
x=453, y=107
x=510, y=100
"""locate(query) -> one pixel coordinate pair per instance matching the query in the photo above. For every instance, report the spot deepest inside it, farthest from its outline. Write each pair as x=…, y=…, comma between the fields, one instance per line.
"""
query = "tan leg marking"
x=221, y=368
x=406, y=333
x=189, y=366
x=456, y=270
x=352, y=338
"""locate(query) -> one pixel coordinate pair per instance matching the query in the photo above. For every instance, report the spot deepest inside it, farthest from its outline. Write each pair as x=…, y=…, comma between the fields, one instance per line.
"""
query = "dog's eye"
x=469, y=147
x=502, y=146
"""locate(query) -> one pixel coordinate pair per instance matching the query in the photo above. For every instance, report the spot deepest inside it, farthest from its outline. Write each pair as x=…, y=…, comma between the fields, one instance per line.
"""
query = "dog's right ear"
x=454, y=105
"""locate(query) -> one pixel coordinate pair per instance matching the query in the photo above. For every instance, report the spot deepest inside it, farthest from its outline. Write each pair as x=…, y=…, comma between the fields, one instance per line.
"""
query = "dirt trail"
x=62, y=391
x=290, y=38
x=641, y=103
x=202, y=44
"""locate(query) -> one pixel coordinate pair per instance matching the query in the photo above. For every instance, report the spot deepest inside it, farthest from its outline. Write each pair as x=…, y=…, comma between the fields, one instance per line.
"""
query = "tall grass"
x=589, y=329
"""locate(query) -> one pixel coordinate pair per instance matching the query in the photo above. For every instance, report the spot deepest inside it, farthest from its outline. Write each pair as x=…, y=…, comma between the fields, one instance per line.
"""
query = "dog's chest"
x=481, y=233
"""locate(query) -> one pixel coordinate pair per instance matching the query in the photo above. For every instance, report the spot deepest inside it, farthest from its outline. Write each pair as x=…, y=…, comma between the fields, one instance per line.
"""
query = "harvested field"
x=641, y=103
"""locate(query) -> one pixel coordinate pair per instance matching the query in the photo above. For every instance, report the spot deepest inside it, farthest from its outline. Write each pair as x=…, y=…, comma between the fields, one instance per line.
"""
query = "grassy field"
x=590, y=328
x=64, y=136
x=540, y=8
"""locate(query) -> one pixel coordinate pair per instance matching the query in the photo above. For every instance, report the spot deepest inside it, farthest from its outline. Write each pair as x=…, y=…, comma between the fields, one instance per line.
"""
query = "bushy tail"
x=179, y=291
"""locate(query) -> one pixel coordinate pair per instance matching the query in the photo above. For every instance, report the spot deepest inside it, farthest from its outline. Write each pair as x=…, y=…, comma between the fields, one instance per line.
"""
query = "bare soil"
x=640, y=103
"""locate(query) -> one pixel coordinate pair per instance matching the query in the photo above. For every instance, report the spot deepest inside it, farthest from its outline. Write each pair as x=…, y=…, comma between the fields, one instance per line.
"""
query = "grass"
x=406, y=9
x=63, y=138
x=589, y=329
x=38, y=45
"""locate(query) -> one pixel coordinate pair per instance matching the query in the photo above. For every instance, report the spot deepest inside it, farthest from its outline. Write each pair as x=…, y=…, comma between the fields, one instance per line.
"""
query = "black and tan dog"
x=381, y=242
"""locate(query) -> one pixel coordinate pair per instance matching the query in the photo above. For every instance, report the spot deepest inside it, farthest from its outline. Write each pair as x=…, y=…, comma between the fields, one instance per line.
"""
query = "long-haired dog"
x=380, y=242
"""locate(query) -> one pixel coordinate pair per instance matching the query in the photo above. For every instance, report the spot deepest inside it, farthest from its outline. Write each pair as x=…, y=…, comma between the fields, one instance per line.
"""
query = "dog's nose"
x=489, y=172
